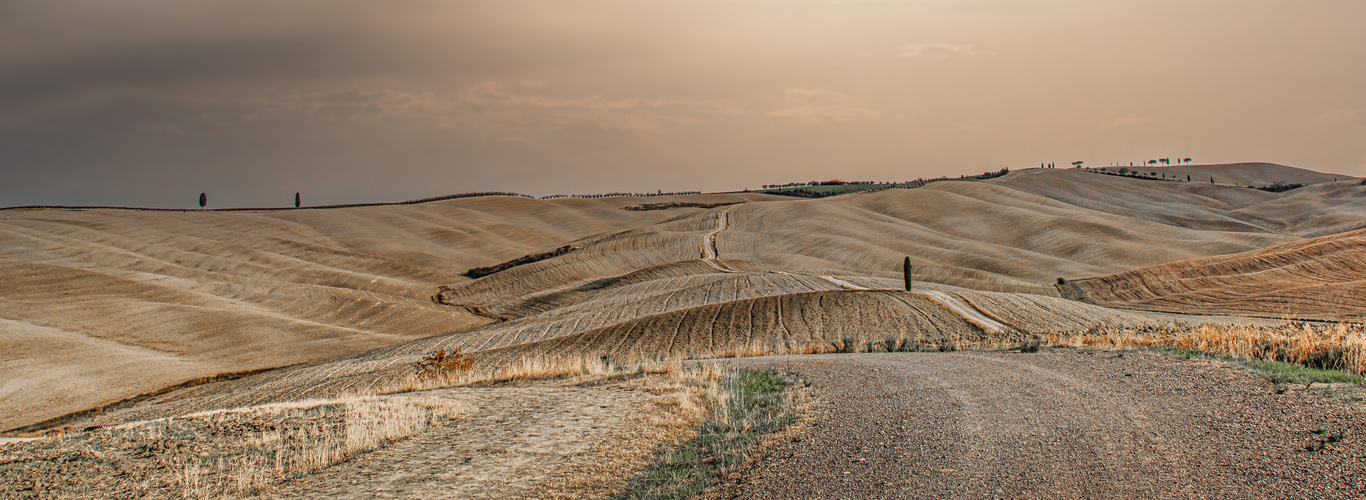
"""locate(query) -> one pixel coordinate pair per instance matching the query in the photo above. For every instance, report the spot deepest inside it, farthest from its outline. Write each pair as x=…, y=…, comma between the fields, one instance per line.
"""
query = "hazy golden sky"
x=151, y=102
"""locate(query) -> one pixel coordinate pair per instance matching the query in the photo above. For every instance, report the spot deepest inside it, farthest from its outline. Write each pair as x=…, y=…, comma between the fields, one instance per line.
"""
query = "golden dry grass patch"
x=222, y=453
x=1339, y=346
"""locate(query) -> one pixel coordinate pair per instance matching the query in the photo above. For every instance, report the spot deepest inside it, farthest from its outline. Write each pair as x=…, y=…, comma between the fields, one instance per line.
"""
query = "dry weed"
x=442, y=364
x=1338, y=347
x=227, y=453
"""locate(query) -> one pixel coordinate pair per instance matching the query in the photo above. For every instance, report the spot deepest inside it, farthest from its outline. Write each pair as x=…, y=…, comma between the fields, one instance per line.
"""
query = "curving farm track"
x=968, y=312
x=709, y=253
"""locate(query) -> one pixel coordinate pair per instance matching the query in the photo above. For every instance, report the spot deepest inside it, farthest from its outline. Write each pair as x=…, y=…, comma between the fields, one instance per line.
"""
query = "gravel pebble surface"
x=1057, y=424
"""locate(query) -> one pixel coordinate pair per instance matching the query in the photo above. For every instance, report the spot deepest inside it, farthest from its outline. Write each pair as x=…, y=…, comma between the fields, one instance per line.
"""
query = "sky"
x=150, y=102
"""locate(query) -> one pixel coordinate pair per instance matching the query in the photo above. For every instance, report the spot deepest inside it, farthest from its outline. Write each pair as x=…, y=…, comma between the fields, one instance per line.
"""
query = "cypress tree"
x=296, y=200
x=906, y=269
x=203, y=200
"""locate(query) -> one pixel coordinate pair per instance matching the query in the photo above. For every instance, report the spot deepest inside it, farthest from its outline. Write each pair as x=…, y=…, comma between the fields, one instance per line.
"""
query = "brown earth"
x=98, y=306
x=103, y=305
x=1058, y=424
x=1319, y=278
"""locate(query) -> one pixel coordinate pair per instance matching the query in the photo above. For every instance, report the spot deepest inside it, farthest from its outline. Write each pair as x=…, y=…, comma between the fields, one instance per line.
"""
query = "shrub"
x=441, y=364
x=892, y=343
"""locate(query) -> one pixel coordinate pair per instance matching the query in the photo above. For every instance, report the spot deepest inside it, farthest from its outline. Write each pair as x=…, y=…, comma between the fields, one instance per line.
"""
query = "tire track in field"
x=709, y=252
x=963, y=309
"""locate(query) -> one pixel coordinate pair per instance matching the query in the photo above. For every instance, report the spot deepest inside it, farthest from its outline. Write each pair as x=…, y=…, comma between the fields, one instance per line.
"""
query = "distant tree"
x=1188, y=178
x=1154, y=174
x=1186, y=160
x=1211, y=180
x=1124, y=170
x=1152, y=162
x=296, y=200
x=203, y=200
x=906, y=269
x=1077, y=164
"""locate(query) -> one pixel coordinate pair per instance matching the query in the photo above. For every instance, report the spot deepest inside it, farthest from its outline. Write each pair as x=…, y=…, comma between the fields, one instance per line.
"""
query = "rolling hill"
x=99, y=306
x=1319, y=278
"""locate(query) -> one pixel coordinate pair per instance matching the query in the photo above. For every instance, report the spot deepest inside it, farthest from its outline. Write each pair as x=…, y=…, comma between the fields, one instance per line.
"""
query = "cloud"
x=940, y=50
x=1344, y=116
x=821, y=94
x=818, y=114
x=1124, y=121
x=517, y=109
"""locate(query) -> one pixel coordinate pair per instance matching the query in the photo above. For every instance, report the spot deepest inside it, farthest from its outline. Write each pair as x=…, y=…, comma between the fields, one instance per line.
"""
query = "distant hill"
x=1243, y=174
x=1322, y=278
x=97, y=306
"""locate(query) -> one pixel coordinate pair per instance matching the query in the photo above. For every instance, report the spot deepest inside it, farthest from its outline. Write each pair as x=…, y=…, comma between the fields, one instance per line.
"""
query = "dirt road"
x=964, y=310
x=1055, y=424
x=709, y=252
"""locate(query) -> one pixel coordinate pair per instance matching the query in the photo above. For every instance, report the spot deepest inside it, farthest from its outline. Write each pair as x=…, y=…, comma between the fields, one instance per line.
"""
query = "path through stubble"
x=1059, y=423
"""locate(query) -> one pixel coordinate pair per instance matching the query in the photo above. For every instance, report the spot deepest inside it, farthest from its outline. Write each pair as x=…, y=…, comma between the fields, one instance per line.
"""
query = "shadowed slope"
x=1319, y=278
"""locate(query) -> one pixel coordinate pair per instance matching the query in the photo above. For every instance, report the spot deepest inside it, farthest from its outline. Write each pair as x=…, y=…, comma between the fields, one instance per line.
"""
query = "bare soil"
x=1060, y=423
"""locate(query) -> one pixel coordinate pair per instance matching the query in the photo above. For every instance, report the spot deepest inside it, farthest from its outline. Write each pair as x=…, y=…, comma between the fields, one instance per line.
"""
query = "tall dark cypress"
x=906, y=269
x=203, y=200
x=296, y=200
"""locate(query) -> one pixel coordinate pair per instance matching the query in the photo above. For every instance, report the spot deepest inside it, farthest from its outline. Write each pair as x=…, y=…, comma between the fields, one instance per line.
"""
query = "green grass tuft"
x=1286, y=373
x=1278, y=372
x=758, y=405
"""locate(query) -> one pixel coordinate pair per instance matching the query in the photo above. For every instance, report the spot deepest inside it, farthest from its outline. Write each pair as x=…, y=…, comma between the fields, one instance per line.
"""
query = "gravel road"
x=1059, y=423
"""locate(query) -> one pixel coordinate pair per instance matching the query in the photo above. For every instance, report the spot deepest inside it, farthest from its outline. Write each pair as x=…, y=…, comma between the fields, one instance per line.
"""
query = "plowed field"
x=98, y=306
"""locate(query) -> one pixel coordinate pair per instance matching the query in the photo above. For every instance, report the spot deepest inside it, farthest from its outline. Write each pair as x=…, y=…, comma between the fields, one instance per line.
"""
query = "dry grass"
x=225, y=453
x=747, y=408
x=685, y=397
x=275, y=455
x=1337, y=347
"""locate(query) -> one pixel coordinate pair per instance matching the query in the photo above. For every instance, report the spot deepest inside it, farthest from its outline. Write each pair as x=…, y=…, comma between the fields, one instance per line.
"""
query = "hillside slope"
x=1320, y=278
x=102, y=305
x=99, y=305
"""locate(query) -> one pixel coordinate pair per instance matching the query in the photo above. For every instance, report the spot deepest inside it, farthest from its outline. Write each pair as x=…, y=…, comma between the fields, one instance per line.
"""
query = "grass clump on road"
x=1286, y=373
x=1278, y=372
x=753, y=403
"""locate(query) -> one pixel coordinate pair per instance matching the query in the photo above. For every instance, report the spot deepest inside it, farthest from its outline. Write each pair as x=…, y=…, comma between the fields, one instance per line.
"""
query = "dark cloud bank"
x=151, y=102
